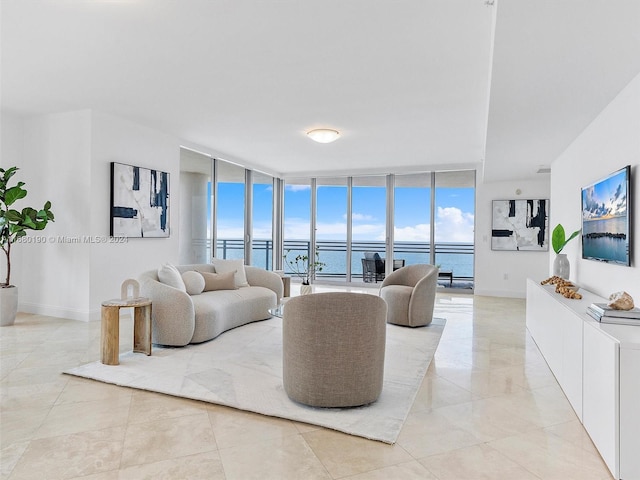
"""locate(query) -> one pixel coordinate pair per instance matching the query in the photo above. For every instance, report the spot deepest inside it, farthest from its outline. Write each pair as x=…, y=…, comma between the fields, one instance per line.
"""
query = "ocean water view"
x=606, y=240
x=450, y=257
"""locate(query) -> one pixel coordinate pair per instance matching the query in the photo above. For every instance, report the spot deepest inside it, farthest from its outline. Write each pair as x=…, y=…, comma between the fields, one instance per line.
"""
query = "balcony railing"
x=456, y=258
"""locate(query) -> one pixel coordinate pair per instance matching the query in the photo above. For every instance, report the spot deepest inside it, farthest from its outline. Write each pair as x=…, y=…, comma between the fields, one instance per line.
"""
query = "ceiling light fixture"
x=323, y=135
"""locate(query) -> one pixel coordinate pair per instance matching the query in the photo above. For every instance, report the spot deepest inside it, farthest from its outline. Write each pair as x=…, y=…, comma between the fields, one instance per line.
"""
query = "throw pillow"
x=236, y=266
x=169, y=275
x=194, y=282
x=218, y=281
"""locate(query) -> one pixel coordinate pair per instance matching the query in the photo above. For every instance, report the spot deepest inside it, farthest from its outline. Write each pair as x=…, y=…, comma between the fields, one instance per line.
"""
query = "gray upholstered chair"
x=333, y=348
x=410, y=293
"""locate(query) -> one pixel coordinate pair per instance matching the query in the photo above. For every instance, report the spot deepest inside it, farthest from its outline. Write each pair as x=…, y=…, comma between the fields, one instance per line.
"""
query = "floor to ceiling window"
x=230, y=210
x=331, y=226
x=412, y=219
x=297, y=220
x=368, y=219
x=454, y=223
x=262, y=221
x=428, y=217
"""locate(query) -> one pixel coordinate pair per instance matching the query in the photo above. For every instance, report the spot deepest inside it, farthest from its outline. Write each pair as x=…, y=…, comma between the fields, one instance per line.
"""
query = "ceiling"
x=412, y=85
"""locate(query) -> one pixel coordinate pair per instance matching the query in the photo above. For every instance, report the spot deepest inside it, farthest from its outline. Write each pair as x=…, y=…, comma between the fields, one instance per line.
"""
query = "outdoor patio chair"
x=375, y=260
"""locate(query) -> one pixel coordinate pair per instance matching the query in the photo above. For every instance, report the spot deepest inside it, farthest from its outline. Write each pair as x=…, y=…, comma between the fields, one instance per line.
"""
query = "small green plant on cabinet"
x=558, y=240
x=15, y=223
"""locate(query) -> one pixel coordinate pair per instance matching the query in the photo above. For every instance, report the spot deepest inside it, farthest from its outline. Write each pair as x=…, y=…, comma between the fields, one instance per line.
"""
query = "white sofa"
x=179, y=318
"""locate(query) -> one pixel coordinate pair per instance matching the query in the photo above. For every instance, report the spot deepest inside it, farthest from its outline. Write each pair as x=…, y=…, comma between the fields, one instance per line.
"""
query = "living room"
x=566, y=100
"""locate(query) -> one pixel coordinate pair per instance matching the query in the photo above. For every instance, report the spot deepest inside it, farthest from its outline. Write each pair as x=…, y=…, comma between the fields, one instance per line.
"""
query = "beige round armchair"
x=333, y=348
x=410, y=293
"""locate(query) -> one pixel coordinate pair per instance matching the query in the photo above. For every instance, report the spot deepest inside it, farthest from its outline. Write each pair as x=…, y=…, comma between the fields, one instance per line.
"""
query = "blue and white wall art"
x=139, y=202
x=520, y=225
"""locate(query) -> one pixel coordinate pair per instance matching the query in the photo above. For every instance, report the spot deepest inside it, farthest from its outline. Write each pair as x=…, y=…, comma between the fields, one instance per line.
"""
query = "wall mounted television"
x=606, y=219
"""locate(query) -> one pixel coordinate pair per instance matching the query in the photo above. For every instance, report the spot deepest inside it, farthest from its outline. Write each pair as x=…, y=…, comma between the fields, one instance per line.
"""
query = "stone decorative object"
x=130, y=289
x=620, y=301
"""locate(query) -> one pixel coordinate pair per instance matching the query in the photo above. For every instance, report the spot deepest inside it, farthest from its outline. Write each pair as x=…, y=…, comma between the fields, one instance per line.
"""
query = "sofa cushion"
x=219, y=311
x=194, y=282
x=218, y=281
x=236, y=266
x=169, y=275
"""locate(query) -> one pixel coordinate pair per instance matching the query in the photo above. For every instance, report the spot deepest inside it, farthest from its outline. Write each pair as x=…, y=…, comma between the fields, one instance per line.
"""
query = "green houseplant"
x=13, y=226
x=302, y=267
x=561, y=266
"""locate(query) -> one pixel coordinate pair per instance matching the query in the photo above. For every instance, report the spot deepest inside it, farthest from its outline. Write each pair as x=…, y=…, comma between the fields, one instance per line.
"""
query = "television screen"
x=605, y=219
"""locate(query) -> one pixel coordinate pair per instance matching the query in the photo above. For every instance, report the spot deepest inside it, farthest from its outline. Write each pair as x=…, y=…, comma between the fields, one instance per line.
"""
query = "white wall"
x=55, y=165
x=65, y=158
x=122, y=141
x=610, y=142
x=491, y=267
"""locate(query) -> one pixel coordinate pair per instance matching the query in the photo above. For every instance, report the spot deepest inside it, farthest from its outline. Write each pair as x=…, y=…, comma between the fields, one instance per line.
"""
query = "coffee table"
x=277, y=311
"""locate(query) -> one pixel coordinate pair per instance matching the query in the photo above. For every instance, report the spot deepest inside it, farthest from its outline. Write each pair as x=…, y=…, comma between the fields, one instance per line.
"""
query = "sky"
x=607, y=198
x=454, y=213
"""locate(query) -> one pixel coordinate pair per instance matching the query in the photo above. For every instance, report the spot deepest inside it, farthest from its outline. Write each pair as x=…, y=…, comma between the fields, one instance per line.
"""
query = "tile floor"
x=488, y=408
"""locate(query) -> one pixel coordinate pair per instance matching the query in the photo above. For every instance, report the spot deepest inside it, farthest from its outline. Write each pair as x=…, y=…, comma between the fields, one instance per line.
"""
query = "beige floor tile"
x=167, y=439
x=486, y=419
x=486, y=381
x=574, y=433
x=344, y=455
x=478, y=462
x=148, y=407
x=36, y=395
x=84, y=416
x=69, y=456
x=429, y=433
x=404, y=471
x=234, y=428
x=481, y=383
x=201, y=466
x=549, y=456
x=544, y=407
x=276, y=459
x=9, y=457
x=437, y=392
x=21, y=424
x=85, y=390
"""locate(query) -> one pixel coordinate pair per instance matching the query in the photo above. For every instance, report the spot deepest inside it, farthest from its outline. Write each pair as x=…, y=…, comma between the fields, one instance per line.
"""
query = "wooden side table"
x=110, y=329
x=286, y=282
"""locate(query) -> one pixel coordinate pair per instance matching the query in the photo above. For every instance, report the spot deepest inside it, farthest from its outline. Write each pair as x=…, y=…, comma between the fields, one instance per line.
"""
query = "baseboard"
x=60, y=312
x=499, y=293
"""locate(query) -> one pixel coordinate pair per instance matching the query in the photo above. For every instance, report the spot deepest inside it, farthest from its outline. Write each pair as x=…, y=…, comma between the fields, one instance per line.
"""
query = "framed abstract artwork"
x=139, y=202
x=520, y=225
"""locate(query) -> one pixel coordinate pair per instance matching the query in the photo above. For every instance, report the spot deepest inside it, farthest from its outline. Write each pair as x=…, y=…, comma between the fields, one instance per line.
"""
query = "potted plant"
x=13, y=226
x=561, y=266
x=302, y=267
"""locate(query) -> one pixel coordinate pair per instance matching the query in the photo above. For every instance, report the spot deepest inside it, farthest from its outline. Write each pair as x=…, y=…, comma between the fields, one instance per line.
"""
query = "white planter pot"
x=306, y=289
x=8, y=305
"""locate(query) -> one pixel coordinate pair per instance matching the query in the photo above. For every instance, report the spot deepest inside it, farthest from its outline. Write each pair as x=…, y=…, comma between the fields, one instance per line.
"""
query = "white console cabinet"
x=598, y=367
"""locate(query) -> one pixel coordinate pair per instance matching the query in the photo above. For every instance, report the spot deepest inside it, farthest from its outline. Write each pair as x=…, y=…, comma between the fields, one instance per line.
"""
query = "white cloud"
x=369, y=231
x=418, y=233
x=454, y=225
x=331, y=231
x=230, y=232
x=359, y=217
x=296, y=229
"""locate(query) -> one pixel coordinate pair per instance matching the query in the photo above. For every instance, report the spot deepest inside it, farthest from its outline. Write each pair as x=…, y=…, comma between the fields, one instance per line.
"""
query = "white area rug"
x=242, y=368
